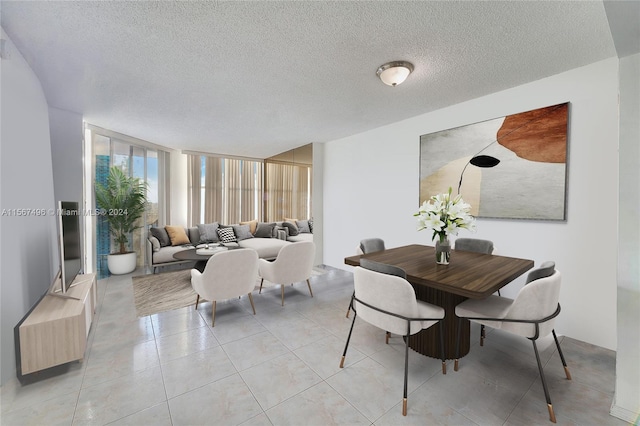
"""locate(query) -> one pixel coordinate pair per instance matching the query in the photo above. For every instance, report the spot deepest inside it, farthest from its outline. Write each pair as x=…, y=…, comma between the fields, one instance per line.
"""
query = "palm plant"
x=122, y=200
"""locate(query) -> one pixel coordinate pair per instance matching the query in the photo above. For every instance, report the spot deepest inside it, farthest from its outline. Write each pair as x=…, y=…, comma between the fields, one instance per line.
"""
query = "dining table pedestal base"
x=427, y=342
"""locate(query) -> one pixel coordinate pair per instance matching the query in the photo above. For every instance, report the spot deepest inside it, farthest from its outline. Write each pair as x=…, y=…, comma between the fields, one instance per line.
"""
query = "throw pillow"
x=227, y=235
x=293, y=229
x=311, y=225
x=177, y=235
x=161, y=235
x=208, y=232
x=288, y=219
x=253, y=224
x=242, y=232
x=303, y=226
x=264, y=230
x=155, y=243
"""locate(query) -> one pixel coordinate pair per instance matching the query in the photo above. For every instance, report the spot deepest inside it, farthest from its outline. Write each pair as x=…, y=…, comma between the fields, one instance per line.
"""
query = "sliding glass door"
x=137, y=160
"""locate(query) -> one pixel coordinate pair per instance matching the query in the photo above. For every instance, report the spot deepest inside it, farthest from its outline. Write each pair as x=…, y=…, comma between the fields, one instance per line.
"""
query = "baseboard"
x=624, y=414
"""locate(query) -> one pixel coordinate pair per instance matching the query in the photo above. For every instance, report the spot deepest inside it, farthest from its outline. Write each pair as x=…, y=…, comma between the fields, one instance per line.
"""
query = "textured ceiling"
x=258, y=78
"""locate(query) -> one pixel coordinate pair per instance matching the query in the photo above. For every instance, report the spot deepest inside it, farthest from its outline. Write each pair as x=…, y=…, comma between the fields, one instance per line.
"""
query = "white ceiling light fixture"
x=394, y=73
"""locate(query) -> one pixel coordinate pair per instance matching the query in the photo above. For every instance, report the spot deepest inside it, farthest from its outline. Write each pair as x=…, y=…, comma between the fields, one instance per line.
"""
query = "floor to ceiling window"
x=135, y=158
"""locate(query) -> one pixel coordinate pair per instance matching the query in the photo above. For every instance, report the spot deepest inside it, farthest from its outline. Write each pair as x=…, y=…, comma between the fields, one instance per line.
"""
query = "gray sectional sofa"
x=267, y=239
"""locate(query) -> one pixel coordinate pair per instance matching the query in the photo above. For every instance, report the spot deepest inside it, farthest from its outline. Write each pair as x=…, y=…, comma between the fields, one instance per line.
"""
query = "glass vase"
x=443, y=251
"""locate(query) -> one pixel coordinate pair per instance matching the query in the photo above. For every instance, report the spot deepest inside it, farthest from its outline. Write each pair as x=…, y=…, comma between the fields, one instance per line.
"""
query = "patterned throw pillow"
x=311, y=225
x=227, y=235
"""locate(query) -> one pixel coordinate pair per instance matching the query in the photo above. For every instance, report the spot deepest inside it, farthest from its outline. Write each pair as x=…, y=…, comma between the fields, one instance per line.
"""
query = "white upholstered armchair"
x=293, y=264
x=389, y=302
x=227, y=274
x=531, y=314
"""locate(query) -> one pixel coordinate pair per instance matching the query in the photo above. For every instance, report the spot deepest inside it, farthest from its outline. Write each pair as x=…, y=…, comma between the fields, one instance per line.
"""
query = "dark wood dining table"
x=468, y=275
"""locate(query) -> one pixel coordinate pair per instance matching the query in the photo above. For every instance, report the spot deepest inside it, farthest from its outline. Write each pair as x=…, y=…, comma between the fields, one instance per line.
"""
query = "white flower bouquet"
x=445, y=216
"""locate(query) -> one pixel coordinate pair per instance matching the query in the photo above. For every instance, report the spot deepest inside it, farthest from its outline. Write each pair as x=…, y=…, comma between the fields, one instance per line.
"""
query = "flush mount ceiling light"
x=394, y=73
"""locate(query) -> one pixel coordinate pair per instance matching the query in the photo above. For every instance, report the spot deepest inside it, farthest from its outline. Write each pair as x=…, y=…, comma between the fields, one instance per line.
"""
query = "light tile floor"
x=281, y=367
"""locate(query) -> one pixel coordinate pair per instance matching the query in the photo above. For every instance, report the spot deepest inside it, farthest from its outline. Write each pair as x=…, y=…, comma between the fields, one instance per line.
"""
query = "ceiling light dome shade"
x=394, y=73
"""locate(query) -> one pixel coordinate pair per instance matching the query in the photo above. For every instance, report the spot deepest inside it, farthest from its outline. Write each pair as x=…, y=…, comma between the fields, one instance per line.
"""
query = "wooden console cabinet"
x=55, y=331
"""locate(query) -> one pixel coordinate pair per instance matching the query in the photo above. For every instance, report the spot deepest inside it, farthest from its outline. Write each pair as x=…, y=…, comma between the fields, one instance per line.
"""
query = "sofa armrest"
x=149, y=251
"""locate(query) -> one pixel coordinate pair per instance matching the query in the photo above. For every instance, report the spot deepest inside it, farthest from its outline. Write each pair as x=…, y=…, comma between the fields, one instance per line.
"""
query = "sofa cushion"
x=161, y=235
x=264, y=230
x=155, y=243
x=252, y=225
x=300, y=237
x=303, y=226
x=292, y=227
x=166, y=254
x=242, y=232
x=208, y=233
x=227, y=235
x=267, y=248
x=177, y=235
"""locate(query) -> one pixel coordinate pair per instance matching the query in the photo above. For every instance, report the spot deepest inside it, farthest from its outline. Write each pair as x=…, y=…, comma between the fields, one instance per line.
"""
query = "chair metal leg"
x=261, y=281
x=482, y=334
x=387, y=336
x=406, y=368
x=444, y=361
x=309, y=285
x=213, y=314
x=552, y=415
x=344, y=354
x=197, y=300
x=455, y=364
x=282, y=293
x=252, y=305
x=564, y=363
x=350, y=304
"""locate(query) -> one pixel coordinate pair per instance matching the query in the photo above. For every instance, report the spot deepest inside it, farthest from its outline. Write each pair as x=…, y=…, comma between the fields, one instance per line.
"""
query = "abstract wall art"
x=511, y=167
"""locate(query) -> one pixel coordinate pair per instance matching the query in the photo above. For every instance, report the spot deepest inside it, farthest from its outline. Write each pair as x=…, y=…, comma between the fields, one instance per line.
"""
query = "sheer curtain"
x=287, y=191
x=230, y=190
x=213, y=190
x=193, y=194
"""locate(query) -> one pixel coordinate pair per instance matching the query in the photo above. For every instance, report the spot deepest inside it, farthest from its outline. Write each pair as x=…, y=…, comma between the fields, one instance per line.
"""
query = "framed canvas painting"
x=510, y=167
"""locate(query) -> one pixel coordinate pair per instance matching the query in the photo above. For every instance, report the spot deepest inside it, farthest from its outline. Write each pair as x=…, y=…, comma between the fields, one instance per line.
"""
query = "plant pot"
x=121, y=263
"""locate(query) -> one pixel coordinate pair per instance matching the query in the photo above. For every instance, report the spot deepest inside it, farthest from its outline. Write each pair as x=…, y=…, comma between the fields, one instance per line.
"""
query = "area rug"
x=171, y=290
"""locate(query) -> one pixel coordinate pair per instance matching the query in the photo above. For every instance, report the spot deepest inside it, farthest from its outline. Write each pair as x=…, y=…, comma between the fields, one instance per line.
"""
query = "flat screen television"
x=69, y=240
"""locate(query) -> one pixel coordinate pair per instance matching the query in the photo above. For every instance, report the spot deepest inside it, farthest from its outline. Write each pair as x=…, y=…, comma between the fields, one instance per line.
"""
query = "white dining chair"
x=368, y=245
x=531, y=314
x=389, y=302
x=476, y=245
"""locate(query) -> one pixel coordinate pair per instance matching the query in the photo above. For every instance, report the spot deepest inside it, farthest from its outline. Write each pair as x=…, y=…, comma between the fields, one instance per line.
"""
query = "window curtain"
x=225, y=191
x=193, y=194
x=287, y=191
x=213, y=190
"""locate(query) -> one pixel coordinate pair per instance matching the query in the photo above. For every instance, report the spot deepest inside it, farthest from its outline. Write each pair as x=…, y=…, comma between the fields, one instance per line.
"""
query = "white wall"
x=626, y=404
x=28, y=243
x=371, y=190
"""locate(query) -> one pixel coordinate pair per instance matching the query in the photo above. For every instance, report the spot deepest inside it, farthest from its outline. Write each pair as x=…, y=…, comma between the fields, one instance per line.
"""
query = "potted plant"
x=122, y=201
